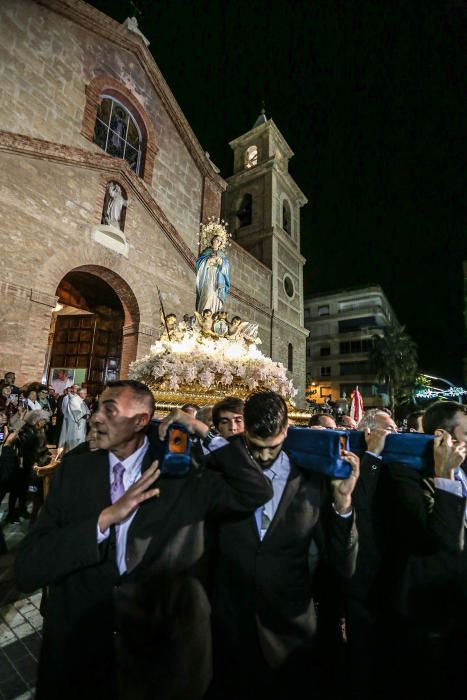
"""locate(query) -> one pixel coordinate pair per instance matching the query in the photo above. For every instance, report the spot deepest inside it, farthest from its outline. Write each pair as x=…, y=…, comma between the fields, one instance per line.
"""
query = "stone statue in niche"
x=115, y=203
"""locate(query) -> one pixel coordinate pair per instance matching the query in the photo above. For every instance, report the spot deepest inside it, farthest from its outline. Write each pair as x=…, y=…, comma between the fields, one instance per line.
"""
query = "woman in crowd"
x=31, y=398
x=30, y=448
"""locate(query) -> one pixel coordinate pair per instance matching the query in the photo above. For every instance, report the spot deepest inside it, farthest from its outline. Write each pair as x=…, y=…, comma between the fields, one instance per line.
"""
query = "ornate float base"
x=202, y=369
x=168, y=400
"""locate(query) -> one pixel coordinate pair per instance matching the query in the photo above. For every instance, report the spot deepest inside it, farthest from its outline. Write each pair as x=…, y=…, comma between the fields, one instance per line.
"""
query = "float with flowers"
x=207, y=355
x=195, y=367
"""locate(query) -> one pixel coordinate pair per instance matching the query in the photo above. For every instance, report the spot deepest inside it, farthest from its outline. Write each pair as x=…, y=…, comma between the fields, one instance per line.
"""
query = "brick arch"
x=131, y=312
x=121, y=288
x=98, y=260
x=106, y=84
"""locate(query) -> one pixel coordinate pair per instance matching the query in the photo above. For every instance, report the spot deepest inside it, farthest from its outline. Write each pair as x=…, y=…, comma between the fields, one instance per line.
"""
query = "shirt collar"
x=133, y=460
x=280, y=467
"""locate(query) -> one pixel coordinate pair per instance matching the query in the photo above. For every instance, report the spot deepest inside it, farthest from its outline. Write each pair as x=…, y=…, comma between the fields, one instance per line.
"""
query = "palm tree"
x=394, y=360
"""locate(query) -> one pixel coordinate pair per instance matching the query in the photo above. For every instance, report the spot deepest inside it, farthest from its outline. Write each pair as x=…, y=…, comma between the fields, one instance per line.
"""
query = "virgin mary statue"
x=212, y=277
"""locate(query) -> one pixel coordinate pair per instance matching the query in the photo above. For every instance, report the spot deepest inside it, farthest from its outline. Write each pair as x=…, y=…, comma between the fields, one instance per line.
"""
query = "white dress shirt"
x=457, y=486
x=278, y=472
x=131, y=474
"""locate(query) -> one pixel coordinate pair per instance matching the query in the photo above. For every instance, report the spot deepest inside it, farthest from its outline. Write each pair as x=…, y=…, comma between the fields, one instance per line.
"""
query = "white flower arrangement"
x=195, y=359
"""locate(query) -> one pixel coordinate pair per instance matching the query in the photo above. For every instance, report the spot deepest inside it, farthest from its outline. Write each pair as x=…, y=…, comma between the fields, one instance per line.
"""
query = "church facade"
x=103, y=185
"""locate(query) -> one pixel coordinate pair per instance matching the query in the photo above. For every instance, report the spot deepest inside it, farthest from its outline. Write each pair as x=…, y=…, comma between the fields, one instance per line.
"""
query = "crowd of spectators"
x=350, y=585
x=34, y=419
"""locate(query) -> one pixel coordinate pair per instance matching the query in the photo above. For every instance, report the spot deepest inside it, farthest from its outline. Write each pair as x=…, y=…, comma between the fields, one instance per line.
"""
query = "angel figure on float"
x=169, y=329
x=205, y=323
x=212, y=268
x=234, y=328
x=243, y=330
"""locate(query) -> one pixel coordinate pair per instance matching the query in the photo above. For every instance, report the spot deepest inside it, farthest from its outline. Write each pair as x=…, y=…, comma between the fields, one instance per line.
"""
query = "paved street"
x=20, y=624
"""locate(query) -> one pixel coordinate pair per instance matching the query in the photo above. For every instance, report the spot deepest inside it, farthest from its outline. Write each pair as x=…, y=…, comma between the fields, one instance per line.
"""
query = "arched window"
x=117, y=132
x=290, y=357
x=245, y=212
x=251, y=156
x=286, y=217
x=97, y=124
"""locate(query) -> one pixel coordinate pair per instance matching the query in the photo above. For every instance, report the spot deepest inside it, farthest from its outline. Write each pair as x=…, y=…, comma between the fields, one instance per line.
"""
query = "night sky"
x=372, y=98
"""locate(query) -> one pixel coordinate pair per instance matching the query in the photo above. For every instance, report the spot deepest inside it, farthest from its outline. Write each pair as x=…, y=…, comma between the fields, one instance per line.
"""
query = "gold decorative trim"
x=166, y=401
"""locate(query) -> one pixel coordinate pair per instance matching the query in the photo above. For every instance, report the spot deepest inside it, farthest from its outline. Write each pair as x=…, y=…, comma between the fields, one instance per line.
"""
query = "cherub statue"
x=234, y=327
x=169, y=331
x=187, y=323
x=245, y=330
x=205, y=323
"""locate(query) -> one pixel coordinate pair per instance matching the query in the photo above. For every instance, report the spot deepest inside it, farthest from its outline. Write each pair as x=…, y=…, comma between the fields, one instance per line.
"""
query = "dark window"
x=325, y=372
x=290, y=358
x=245, y=212
x=356, y=324
x=324, y=350
x=350, y=368
x=288, y=286
x=355, y=346
x=117, y=133
x=323, y=310
x=286, y=218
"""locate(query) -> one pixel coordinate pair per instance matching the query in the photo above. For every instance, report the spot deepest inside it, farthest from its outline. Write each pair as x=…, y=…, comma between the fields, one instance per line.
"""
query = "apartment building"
x=342, y=325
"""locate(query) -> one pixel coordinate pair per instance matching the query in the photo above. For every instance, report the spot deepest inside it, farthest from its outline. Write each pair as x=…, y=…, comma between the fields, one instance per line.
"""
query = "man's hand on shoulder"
x=131, y=499
x=448, y=454
x=375, y=440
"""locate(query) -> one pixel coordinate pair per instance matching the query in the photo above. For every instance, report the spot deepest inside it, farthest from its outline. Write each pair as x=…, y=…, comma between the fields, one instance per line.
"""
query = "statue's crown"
x=213, y=227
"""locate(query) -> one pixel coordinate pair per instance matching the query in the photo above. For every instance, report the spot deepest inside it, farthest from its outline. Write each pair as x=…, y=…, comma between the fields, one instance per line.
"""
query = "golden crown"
x=213, y=227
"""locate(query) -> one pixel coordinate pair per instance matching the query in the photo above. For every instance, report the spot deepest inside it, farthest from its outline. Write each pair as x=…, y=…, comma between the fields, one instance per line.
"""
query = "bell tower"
x=262, y=207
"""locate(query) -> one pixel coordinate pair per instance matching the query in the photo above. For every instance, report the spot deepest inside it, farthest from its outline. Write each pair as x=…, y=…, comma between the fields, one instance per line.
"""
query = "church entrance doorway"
x=86, y=341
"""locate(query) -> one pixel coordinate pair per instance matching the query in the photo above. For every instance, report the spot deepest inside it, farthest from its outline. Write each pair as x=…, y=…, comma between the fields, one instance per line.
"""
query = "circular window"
x=288, y=286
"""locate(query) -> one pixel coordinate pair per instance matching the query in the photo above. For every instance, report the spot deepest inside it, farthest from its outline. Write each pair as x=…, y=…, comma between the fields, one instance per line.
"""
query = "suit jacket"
x=165, y=543
x=368, y=502
x=431, y=534
x=263, y=589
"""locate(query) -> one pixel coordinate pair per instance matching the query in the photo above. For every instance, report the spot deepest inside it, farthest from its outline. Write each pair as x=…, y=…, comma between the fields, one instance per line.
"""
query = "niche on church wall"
x=110, y=233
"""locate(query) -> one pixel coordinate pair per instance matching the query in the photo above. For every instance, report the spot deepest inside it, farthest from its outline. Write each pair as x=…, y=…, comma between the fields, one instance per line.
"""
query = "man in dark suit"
x=263, y=611
x=364, y=593
x=430, y=533
x=123, y=560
